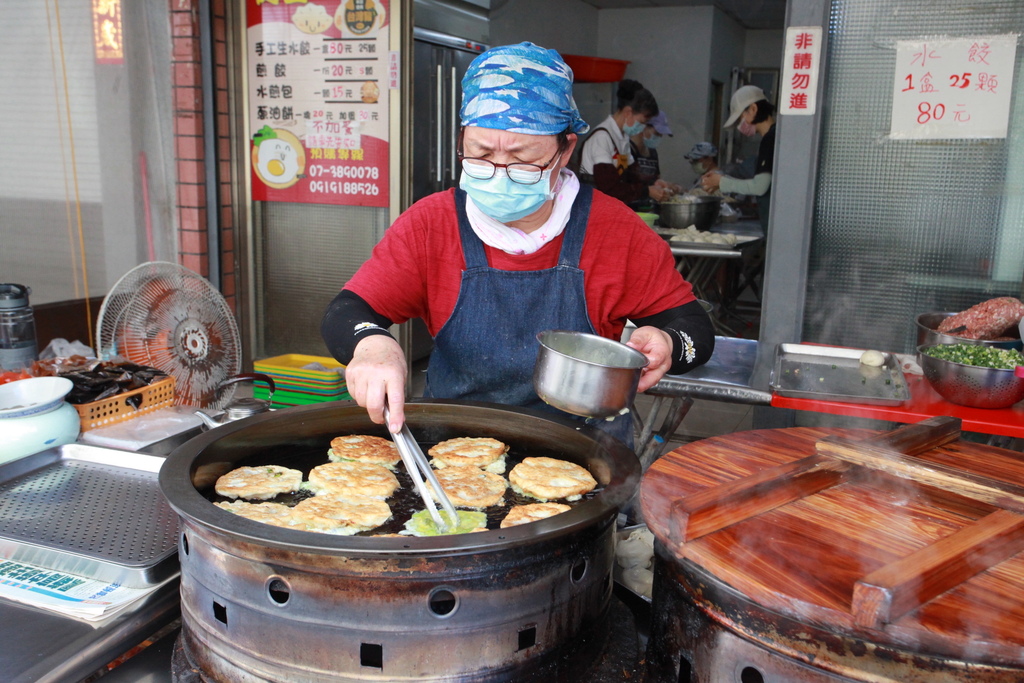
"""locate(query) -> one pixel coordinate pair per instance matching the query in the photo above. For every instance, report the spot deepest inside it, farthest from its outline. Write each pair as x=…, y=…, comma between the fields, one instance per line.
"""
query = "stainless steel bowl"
x=928, y=334
x=701, y=212
x=969, y=385
x=587, y=375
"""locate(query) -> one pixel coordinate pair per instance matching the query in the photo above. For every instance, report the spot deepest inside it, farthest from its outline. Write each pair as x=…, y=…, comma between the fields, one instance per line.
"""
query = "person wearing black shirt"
x=755, y=115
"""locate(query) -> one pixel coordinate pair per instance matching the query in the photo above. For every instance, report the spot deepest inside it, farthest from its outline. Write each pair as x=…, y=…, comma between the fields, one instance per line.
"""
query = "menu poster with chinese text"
x=953, y=88
x=800, y=68
x=318, y=101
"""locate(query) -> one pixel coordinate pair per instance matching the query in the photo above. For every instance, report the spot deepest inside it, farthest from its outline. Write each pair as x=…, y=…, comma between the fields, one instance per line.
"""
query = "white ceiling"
x=752, y=14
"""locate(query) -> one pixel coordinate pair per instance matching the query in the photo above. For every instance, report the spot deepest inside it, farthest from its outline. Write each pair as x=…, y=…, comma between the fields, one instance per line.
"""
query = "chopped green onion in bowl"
x=978, y=356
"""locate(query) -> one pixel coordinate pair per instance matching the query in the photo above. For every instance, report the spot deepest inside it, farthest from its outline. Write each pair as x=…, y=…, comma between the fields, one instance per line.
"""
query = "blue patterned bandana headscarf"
x=520, y=88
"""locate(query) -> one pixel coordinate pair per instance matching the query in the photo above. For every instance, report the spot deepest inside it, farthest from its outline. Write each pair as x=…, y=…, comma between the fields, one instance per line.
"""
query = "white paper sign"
x=800, y=67
x=953, y=88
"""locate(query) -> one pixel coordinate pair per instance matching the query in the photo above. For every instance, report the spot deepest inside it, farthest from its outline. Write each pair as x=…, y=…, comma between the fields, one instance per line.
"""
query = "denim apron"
x=488, y=348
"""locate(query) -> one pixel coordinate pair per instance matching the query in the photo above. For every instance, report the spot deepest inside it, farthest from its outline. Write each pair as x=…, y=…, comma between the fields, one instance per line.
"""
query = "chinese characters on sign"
x=953, y=88
x=320, y=72
x=106, y=31
x=800, y=66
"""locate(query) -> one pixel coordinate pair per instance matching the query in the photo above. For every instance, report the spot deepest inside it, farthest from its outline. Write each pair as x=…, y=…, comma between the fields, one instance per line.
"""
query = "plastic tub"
x=595, y=69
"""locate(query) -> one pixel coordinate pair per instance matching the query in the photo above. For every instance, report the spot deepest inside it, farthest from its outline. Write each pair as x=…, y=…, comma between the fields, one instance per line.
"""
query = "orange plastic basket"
x=117, y=408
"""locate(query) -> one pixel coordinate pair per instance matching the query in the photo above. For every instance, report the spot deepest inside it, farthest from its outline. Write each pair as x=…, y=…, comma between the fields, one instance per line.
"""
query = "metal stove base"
x=703, y=631
x=616, y=642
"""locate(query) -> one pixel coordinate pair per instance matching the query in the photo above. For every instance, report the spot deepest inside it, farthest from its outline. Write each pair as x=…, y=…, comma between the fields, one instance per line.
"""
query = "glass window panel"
x=905, y=227
x=77, y=134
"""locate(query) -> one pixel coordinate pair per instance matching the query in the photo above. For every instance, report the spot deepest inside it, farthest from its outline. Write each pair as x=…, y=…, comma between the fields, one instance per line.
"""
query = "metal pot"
x=928, y=334
x=241, y=407
x=586, y=375
x=262, y=603
x=701, y=212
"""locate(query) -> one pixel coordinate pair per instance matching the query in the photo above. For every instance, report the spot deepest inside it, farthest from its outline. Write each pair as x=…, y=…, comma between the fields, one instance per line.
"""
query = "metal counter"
x=43, y=647
x=726, y=377
x=40, y=647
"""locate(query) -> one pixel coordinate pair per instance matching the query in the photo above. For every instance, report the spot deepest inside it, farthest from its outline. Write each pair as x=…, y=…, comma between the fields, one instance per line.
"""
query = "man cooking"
x=520, y=248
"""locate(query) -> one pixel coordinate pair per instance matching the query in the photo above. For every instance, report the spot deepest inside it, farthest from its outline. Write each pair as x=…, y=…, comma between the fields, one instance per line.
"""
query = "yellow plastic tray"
x=291, y=364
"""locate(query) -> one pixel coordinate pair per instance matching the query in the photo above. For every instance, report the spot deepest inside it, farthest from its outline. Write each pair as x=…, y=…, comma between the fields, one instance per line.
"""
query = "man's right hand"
x=378, y=369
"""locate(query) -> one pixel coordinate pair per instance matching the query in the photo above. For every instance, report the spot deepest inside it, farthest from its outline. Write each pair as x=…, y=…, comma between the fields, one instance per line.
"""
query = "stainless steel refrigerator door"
x=437, y=96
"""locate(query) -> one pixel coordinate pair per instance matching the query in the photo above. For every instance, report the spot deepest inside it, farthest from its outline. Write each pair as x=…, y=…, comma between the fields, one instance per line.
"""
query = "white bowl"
x=32, y=396
x=27, y=435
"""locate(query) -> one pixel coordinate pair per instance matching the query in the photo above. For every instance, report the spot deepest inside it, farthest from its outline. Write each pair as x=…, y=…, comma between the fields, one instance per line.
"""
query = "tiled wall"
x=189, y=151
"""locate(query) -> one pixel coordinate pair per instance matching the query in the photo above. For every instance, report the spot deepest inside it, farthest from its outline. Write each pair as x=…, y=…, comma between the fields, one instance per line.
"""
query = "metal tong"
x=418, y=467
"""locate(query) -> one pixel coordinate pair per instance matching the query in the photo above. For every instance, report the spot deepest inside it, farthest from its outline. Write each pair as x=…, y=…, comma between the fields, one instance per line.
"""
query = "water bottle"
x=17, y=328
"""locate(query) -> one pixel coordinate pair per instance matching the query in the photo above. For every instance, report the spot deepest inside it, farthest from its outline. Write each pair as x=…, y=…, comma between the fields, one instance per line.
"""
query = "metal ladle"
x=418, y=467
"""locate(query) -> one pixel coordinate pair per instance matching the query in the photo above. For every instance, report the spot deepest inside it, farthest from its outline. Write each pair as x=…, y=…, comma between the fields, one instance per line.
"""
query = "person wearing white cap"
x=752, y=113
x=519, y=248
x=644, y=146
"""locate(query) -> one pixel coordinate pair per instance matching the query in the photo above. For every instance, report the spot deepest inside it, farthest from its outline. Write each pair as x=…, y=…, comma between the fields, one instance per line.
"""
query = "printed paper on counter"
x=73, y=596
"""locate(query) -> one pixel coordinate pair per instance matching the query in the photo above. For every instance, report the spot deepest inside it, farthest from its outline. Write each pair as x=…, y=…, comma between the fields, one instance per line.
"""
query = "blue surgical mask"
x=635, y=129
x=652, y=141
x=504, y=200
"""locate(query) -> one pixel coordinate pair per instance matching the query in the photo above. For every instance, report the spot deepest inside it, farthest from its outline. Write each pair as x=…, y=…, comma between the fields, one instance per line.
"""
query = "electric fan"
x=167, y=317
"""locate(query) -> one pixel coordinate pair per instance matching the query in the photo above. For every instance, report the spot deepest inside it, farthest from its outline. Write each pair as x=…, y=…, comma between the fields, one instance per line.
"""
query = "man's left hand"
x=657, y=346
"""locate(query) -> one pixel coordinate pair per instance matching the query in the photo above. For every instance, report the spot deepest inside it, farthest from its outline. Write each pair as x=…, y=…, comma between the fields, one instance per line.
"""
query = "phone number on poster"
x=360, y=172
x=335, y=187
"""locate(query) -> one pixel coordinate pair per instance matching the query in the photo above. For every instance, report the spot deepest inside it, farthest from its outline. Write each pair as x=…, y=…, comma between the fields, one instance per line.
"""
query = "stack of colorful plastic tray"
x=296, y=384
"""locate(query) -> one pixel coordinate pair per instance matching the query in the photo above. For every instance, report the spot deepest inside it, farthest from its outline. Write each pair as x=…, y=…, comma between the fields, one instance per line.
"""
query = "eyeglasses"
x=524, y=174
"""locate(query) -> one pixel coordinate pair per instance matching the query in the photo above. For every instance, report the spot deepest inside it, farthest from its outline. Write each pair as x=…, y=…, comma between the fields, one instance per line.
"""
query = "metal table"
x=43, y=647
x=700, y=266
x=726, y=377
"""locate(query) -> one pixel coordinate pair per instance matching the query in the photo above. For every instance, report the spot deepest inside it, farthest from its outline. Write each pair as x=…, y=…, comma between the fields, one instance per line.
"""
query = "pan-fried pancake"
x=471, y=487
x=258, y=483
x=274, y=514
x=524, y=514
x=342, y=515
x=353, y=478
x=482, y=452
x=548, y=478
x=364, y=448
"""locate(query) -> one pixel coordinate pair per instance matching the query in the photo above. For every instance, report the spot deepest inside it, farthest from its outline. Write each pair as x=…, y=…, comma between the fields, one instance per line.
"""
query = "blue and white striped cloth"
x=520, y=88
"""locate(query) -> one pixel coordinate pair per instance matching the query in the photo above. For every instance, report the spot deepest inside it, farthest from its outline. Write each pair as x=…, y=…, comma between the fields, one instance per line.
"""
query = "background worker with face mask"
x=756, y=116
x=703, y=158
x=606, y=160
x=644, y=147
x=520, y=248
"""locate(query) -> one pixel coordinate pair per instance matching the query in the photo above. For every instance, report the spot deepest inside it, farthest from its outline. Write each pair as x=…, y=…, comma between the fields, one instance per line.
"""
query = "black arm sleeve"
x=347, y=321
x=693, y=335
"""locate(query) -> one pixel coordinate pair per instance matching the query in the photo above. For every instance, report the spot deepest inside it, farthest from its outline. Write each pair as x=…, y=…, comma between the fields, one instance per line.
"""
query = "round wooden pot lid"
x=909, y=537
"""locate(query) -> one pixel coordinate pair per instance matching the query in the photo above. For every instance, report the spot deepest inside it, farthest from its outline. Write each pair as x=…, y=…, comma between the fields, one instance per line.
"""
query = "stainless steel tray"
x=89, y=511
x=669, y=233
x=833, y=374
